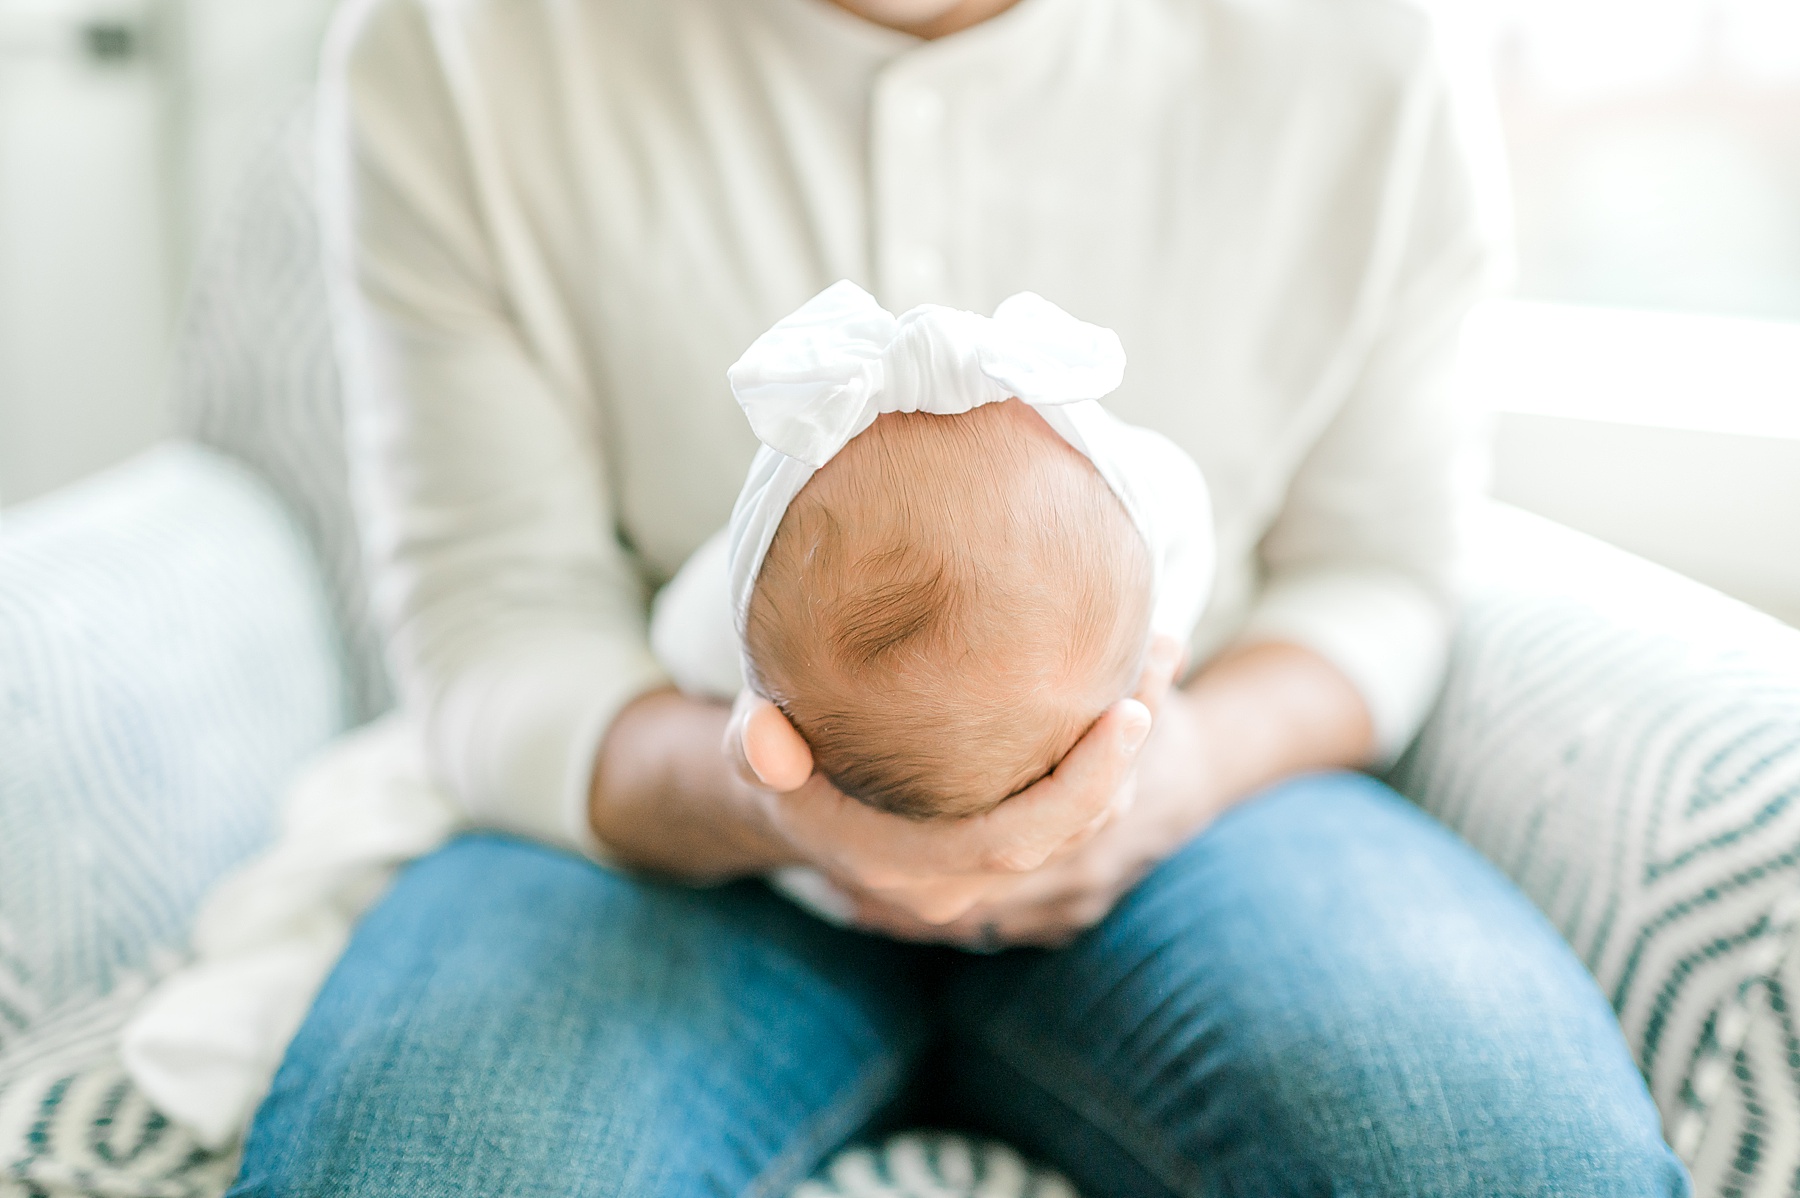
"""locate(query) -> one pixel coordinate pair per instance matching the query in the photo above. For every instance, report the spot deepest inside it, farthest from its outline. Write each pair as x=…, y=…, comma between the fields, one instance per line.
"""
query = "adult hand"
x=1080, y=882
x=908, y=877
x=666, y=800
x=1037, y=869
x=1079, y=885
x=1257, y=714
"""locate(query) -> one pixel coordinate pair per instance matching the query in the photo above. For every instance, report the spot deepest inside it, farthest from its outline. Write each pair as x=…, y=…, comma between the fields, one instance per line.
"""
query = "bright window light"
x=1669, y=370
x=1654, y=148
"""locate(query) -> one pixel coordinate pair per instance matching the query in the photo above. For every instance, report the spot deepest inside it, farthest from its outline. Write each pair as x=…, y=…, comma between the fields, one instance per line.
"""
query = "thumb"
x=768, y=750
x=1162, y=664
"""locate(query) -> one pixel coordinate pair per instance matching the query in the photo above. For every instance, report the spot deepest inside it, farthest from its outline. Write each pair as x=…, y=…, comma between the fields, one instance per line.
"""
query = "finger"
x=1161, y=664
x=733, y=747
x=1123, y=800
x=1053, y=883
x=1051, y=924
x=880, y=851
x=876, y=850
x=1055, y=902
x=1053, y=929
x=768, y=749
x=873, y=850
x=1086, y=833
x=935, y=900
x=974, y=935
x=939, y=902
x=873, y=915
x=1021, y=833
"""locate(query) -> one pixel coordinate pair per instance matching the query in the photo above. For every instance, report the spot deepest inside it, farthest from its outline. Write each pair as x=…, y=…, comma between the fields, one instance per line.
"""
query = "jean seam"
x=829, y=1127
x=1065, y=1078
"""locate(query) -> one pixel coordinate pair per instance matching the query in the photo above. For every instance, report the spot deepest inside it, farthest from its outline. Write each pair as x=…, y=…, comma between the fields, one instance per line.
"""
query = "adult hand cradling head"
x=946, y=566
x=901, y=873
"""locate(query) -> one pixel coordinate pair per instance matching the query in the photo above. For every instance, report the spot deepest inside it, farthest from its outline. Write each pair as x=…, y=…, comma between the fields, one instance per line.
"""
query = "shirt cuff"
x=1384, y=631
x=517, y=734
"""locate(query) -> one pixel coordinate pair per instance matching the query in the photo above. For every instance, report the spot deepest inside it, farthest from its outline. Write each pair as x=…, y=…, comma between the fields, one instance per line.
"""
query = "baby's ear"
x=774, y=748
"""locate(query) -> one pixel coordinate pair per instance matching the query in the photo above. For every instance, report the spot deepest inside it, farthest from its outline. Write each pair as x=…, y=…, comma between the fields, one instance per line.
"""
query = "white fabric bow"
x=823, y=374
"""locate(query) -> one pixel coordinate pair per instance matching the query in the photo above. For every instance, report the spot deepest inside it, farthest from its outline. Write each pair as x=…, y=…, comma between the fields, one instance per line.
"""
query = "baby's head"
x=946, y=606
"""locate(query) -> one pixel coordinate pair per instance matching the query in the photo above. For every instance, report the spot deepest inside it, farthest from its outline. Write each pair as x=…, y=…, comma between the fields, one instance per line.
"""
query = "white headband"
x=823, y=374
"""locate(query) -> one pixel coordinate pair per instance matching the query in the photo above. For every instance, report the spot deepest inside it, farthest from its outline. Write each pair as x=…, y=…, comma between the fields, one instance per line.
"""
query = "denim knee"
x=513, y=1020
x=1431, y=1089
x=1328, y=993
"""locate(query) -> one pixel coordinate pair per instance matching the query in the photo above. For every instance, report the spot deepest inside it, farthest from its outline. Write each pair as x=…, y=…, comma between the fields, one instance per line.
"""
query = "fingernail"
x=1136, y=729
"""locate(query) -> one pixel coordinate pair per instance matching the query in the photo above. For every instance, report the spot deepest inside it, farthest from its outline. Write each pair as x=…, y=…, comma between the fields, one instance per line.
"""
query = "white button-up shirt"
x=556, y=222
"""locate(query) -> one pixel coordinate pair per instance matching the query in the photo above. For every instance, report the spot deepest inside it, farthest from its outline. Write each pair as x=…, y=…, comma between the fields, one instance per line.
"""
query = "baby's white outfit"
x=822, y=375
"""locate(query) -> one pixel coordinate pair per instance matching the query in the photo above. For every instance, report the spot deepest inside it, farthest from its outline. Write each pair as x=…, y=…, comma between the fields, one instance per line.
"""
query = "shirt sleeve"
x=514, y=615
x=1359, y=565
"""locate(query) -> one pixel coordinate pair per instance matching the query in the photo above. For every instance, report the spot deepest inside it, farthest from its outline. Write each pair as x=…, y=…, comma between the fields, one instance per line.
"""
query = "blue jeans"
x=1325, y=994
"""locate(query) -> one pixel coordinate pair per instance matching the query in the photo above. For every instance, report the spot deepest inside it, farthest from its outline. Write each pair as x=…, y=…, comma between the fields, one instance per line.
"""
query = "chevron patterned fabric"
x=74, y=1131
x=1626, y=745
x=934, y=1165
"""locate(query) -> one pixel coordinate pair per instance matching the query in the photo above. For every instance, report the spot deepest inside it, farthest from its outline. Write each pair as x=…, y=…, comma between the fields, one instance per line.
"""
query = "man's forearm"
x=664, y=798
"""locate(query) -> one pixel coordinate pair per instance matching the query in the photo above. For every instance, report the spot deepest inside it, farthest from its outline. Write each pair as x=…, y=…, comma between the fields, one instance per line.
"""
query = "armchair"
x=176, y=635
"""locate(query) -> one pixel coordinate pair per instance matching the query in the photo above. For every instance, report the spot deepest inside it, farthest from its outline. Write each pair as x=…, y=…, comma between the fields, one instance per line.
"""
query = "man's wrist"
x=665, y=799
x=1265, y=712
x=757, y=834
x=1178, y=771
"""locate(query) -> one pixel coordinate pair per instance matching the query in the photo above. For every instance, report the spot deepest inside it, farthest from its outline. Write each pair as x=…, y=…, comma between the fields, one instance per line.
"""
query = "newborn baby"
x=946, y=607
x=948, y=559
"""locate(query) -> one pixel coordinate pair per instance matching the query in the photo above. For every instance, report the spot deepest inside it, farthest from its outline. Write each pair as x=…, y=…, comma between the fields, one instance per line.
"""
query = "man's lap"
x=1329, y=993
x=512, y=1020
x=1325, y=991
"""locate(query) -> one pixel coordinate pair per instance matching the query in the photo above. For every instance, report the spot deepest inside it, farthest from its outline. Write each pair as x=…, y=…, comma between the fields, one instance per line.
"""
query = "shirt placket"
x=909, y=125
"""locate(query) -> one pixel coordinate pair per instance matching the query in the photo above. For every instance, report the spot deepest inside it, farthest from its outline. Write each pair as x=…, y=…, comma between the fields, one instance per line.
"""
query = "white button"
x=924, y=110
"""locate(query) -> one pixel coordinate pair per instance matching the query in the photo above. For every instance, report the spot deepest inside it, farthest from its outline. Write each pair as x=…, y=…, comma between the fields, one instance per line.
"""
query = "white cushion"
x=167, y=658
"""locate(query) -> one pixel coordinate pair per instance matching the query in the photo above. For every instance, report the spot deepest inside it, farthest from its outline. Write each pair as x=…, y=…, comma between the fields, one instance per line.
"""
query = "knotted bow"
x=823, y=374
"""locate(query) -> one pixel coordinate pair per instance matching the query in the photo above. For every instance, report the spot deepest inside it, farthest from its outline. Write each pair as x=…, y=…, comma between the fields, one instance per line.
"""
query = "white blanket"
x=206, y=1042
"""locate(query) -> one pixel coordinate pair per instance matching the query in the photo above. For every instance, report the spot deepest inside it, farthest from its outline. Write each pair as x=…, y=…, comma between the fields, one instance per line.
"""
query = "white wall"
x=85, y=275
x=111, y=175
x=240, y=67
x=1676, y=437
x=1720, y=507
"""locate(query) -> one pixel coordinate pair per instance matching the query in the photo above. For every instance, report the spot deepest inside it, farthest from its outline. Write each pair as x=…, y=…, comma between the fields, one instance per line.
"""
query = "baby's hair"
x=947, y=606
